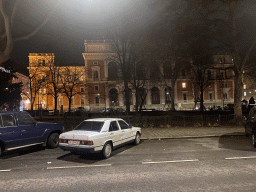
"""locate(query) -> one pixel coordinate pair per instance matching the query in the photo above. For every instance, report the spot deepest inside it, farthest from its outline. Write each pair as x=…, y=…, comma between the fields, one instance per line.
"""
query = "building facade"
x=49, y=81
x=104, y=88
x=99, y=84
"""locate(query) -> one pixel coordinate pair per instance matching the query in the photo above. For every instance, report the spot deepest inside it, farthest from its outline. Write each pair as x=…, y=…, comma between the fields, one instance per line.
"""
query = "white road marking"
x=177, y=161
x=7, y=170
x=68, y=167
x=251, y=157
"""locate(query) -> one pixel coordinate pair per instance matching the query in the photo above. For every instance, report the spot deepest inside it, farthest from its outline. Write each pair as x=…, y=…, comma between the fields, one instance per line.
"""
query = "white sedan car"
x=99, y=135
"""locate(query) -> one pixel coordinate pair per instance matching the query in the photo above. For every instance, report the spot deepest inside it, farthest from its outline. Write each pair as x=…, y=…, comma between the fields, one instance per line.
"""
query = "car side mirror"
x=130, y=126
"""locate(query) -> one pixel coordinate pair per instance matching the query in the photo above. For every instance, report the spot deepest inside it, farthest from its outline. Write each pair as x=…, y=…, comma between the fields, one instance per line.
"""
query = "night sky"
x=74, y=21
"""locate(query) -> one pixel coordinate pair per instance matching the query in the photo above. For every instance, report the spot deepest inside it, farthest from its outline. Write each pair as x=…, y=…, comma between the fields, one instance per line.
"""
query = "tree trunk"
x=172, y=97
x=127, y=97
x=238, y=96
x=136, y=102
x=55, y=104
x=69, y=104
x=201, y=98
x=31, y=105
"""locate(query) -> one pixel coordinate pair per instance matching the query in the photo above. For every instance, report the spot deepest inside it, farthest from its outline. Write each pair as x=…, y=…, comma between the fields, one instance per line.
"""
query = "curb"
x=193, y=137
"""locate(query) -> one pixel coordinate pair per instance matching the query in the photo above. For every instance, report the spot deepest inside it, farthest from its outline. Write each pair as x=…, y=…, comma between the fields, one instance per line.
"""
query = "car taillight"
x=86, y=142
x=63, y=141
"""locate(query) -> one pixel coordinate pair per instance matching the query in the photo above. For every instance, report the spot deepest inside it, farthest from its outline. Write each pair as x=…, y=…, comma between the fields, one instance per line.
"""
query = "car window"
x=25, y=119
x=90, y=126
x=8, y=120
x=113, y=126
x=123, y=125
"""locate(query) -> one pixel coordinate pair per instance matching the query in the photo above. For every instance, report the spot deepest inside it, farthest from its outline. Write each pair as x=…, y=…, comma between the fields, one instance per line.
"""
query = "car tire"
x=53, y=141
x=107, y=150
x=253, y=139
x=137, y=139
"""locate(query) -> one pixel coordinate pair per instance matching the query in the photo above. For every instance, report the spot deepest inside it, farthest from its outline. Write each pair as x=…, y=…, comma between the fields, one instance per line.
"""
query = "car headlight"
x=63, y=141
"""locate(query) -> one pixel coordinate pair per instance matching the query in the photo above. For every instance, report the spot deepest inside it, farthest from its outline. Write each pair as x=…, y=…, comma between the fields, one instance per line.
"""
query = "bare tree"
x=165, y=53
x=9, y=10
x=70, y=82
x=54, y=82
x=122, y=45
x=201, y=64
x=36, y=82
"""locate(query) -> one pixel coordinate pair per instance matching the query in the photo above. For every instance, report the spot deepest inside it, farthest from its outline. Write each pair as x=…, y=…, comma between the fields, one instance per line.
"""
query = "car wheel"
x=253, y=139
x=107, y=150
x=137, y=139
x=53, y=141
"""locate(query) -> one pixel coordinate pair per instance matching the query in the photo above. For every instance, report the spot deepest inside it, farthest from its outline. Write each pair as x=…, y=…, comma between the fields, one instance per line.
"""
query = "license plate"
x=73, y=142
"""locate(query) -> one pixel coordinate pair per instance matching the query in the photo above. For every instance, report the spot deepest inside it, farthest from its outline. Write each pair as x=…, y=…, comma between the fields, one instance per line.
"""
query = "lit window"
x=184, y=85
x=244, y=93
x=244, y=86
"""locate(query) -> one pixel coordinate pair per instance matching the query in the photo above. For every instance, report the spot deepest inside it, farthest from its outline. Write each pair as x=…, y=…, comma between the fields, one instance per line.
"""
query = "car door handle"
x=111, y=133
x=23, y=130
x=123, y=131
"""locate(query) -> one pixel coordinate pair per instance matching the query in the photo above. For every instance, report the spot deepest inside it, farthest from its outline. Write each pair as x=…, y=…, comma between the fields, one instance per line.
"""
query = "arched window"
x=113, y=97
x=95, y=75
x=167, y=91
x=155, y=95
x=112, y=71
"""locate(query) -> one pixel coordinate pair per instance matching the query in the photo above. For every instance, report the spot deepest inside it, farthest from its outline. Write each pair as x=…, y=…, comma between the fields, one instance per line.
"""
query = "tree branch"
x=32, y=33
x=9, y=40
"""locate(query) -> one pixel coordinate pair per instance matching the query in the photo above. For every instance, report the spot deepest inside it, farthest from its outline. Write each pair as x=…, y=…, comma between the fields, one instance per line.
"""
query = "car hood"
x=78, y=134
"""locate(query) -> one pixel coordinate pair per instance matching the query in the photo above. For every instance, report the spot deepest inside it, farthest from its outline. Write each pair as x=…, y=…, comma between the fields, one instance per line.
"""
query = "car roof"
x=104, y=119
x=7, y=112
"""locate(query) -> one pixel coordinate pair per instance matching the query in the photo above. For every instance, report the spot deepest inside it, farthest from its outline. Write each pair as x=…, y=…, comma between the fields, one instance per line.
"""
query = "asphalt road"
x=199, y=164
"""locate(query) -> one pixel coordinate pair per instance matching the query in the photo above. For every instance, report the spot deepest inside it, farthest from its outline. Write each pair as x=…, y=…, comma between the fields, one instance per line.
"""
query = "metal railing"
x=153, y=121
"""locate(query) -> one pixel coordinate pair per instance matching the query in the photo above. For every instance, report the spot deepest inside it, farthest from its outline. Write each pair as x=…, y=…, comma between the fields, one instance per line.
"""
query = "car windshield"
x=90, y=126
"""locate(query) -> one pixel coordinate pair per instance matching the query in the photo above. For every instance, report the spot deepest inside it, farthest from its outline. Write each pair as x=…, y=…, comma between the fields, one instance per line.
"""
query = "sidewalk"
x=190, y=132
